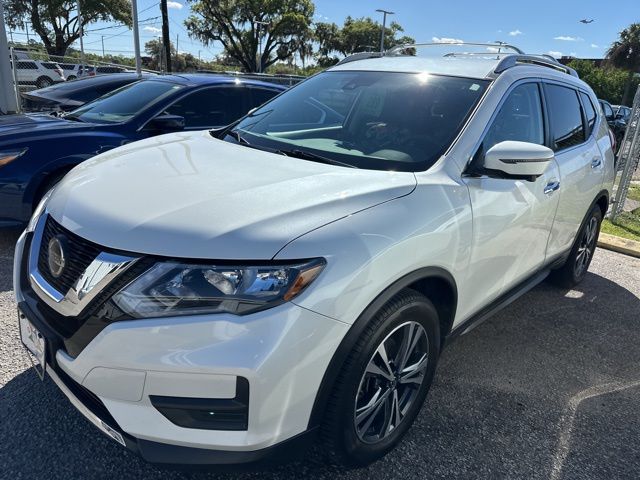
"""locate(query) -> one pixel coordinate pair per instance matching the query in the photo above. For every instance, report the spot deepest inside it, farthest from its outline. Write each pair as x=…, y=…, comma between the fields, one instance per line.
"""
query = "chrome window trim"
x=100, y=273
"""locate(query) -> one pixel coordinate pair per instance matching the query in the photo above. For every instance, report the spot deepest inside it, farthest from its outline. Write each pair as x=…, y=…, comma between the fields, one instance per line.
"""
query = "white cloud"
x=513, y=33
x=176, y=5
x=593, y=45
x=567, y=38
x=445, y=40
x=554, y=53
x=154, y=29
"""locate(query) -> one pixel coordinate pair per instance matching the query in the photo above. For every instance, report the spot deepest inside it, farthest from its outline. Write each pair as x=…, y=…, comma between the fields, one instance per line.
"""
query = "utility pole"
x=136, y=36
x=199, y=61
x=102, y=38
x=26, y=27
x=8, y=90
x=259, y=24
x=166, y=41
x=384, y=27
x=81, y=34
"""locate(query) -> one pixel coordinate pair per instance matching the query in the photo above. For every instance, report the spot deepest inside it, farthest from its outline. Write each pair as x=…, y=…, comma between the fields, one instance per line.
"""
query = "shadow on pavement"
x=496, y=408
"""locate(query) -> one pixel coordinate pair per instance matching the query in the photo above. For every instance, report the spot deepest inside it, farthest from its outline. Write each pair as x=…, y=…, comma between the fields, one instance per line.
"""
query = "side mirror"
x=518, y=159
x=167, y=123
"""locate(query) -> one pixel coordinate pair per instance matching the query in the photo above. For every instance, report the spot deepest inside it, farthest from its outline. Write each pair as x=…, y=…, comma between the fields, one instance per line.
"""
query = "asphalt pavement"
x=547, y=389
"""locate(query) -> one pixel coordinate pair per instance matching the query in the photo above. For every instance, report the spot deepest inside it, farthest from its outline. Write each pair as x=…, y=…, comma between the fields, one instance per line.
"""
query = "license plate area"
x=35, y=344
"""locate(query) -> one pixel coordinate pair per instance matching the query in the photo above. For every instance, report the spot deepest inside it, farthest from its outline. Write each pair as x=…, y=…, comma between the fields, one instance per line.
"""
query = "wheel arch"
x=435, y=283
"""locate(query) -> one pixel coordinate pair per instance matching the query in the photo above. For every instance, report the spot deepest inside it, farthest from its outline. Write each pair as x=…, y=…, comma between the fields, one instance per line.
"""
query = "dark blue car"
x=36, y=151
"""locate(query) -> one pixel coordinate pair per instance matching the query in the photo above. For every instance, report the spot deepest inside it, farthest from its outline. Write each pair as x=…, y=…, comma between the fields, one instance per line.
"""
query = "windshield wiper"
x=238, y=137
x=303, y=154
x=73, y=118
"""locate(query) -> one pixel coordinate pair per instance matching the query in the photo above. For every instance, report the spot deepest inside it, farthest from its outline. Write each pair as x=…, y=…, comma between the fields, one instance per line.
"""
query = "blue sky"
x=540, y=26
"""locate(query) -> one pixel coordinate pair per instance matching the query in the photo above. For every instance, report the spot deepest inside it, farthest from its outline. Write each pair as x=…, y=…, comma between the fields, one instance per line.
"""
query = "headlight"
x=9, y=156
x=171, y=288
x=37, y=213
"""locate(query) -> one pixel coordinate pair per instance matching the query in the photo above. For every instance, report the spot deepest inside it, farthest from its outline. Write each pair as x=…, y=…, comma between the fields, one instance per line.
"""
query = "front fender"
x=372, y=249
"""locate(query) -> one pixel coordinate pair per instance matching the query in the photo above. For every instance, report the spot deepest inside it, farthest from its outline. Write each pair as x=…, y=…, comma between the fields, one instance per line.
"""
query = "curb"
x=620, y=245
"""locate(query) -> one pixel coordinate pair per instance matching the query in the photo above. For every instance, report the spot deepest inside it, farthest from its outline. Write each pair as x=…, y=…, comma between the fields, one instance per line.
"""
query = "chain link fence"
x=627, y=173
x=34, y=69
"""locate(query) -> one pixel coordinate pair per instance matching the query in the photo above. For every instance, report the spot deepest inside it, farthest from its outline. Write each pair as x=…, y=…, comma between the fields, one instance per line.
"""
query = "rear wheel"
x=70, y=78
x=384, y=381
x=43, y=82
x=575, y=268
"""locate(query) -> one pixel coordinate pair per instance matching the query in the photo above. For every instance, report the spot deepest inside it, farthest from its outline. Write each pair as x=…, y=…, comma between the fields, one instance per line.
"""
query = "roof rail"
x=360, y=56
x=540, y=60
x=499, y=46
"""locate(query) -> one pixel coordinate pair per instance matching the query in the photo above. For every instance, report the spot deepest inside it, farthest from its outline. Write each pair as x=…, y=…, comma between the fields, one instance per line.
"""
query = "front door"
x=511, y=218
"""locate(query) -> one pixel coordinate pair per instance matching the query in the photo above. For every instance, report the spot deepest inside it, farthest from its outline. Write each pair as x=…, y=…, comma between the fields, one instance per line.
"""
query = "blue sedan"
x=36, y=151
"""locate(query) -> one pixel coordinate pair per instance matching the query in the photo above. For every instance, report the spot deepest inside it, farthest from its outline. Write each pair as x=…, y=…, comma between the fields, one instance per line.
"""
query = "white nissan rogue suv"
x=223, y=296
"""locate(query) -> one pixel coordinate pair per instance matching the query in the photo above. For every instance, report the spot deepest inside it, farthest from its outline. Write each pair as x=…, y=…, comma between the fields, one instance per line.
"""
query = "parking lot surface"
x=549, y=388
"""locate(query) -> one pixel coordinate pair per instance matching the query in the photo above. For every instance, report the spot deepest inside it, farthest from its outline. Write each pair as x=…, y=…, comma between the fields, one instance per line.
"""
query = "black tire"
x=349, y=445
x=43, y=82
x=575, y=268
x=71, y=78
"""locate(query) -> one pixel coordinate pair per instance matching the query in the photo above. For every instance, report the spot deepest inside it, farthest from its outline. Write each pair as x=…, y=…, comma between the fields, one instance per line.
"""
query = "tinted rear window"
x=589, y=112
x=565, y=115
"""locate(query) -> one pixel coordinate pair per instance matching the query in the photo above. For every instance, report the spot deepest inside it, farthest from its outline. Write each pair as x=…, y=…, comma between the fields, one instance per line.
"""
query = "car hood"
x=191, y=195
x=11, y=125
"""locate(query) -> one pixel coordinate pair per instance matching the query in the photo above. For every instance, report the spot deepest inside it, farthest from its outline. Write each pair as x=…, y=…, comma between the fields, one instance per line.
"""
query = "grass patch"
x=627, y=225
x=634, y=192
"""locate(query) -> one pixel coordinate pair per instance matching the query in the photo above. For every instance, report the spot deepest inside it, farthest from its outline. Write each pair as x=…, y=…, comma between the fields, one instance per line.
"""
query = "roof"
x=471, y=60
x=472, y=67
x=212, y=79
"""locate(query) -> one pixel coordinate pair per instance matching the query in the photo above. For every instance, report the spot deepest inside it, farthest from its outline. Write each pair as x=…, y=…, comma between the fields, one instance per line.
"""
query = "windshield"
x=373, y=120
x=126, y=102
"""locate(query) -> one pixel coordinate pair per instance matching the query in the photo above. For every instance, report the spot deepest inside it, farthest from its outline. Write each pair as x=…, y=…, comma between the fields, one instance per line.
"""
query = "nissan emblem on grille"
x=56, y=258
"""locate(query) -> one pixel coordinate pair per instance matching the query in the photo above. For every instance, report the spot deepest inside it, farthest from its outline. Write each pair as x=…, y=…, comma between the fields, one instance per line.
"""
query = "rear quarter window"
x=589, y=112
x=565, y=115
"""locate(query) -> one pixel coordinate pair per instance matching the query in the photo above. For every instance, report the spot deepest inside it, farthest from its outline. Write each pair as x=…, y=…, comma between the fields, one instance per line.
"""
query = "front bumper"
x=283, y=354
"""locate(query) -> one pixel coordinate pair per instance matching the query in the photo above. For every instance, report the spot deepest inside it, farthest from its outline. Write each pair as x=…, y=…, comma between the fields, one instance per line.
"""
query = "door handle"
x=596, y=162
x=551, y=187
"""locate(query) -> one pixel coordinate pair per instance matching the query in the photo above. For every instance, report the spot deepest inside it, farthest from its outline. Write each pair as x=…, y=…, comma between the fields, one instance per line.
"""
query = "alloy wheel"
x=391, y=382
x=586, y=247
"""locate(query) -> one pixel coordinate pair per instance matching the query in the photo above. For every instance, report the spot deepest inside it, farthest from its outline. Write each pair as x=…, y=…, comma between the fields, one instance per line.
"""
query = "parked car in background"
x=70, y=95
x=618, y=125
x=73, y=71
x=36, y=151
x=622, y=112
x=39, y=73
x=222, y=296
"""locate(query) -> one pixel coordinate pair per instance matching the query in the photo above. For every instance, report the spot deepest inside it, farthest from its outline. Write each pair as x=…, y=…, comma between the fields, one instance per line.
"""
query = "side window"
x=565, y=117
x=213, y=107
x=261, y=95
x=589, y=112
x=519, y=119
x=27, y=65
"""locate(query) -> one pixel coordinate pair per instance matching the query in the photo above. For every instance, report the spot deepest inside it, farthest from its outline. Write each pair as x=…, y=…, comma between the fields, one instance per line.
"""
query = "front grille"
x=79, y=254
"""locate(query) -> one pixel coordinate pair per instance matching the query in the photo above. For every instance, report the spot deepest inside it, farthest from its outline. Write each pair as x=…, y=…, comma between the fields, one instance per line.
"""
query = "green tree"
x=234, y=24
x=608, y=83
x=624, y=53
x=56, y=21
x=356, y=35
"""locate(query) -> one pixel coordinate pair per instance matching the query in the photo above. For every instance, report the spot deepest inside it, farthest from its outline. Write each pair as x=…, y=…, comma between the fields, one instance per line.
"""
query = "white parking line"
x=568, y=417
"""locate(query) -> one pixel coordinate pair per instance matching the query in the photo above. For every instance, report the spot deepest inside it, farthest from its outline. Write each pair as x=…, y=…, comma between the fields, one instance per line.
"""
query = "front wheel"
x=575, y=268
x=384, y=381
x=44, y=82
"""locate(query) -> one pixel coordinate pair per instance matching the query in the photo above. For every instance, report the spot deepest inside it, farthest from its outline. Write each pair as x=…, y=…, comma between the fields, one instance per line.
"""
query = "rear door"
x=212, y=107
x=572, y=120
x=511, y=218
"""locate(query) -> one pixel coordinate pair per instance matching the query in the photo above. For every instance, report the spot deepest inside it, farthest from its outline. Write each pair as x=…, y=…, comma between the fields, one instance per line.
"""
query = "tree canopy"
x=56, y=21
x=356, y=35
x=235, y=24
x=624, y=53
x=608, y=83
